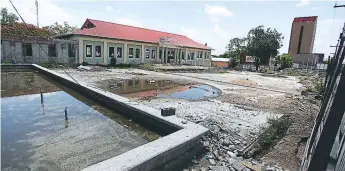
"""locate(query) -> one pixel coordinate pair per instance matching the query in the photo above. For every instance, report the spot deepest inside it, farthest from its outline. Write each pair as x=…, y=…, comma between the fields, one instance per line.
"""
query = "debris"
x=270, y=169
x=231, y=160
x=238, y=166
x=203, y=169
x=220, y=168
x=81, y=67
x=184, y=122
x=195, y=161
x=226, y=141
x=125, y=126
x=212, y=161
x=231, y=154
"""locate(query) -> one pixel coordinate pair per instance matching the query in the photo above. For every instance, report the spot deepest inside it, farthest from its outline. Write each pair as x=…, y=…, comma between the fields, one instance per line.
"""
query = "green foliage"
x=56, y=28
x=7, y=18
x=320, y=87
x=263, y=44
x=285, y=61
x=113, y=61
x=325, y=62
x=148, y=67
x=234, y=62
x=275, y=131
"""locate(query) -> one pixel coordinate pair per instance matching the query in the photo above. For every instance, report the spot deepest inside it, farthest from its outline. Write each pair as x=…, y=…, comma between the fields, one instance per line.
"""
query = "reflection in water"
x=43, y=142
x=160, y=88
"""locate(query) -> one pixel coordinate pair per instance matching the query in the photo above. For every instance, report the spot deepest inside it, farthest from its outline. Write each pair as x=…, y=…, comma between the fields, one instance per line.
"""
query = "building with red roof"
x=99, y=41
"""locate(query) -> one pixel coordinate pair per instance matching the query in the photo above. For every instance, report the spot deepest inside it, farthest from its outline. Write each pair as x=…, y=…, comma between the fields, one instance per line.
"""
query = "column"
x=105, y=53
x=166, y=56
x=195, y=55
x=157, y=54
x=163, y=53
x=143, y=54
x=125, y=53
x=81, y=51
x=186, y=56
x=175, y=55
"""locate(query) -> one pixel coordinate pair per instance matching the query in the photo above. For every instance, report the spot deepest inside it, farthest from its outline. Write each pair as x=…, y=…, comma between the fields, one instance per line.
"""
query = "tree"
x=237, y=46
x=7, y=18
x=56, y=28
x=263, y=44
x=285, y=61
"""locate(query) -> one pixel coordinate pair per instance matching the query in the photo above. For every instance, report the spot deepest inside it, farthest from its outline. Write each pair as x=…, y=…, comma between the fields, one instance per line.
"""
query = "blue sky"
x=211, y=22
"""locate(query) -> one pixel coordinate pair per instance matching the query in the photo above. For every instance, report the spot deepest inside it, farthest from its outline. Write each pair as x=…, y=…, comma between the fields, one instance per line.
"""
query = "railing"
x=325, y=149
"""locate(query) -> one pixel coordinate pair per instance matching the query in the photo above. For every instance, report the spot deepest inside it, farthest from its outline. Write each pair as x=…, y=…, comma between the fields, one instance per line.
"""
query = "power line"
x=38, y=43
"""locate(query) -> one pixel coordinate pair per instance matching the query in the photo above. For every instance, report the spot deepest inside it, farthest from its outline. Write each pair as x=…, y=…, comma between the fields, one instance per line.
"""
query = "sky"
x=211, y=22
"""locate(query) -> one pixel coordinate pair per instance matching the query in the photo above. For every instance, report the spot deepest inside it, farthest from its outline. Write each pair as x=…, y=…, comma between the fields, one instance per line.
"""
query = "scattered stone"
x=185, y=170
x=195, y=161
x=193, y=170
x=226, y=141
x=231, y=154
x=206, y=143
x=246, y=169
x=236, y=142
x=231, y=160
x=238, y=166
x=270, y=169
x=215, y=153
x=184, y=122
x=212, y=161
x=220, y=168
x=203, y=169
x=232, y=147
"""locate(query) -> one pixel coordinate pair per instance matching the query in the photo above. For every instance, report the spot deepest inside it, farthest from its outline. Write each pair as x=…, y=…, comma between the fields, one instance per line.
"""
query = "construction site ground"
x=235, y=117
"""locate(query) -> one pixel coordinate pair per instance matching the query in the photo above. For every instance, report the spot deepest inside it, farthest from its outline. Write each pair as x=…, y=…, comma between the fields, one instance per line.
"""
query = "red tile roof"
x=305, y=19
x=125, y=32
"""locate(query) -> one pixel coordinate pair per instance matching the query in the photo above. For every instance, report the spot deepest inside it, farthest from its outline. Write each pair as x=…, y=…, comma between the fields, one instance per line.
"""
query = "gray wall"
x=93, y=59
x=14, y=50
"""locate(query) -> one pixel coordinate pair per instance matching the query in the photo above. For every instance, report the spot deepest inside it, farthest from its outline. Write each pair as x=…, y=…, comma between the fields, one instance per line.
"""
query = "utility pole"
x=36, y=3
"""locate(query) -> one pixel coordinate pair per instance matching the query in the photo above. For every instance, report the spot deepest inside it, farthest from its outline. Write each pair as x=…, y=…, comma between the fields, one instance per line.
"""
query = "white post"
x=143, y=54
x=105, y=53
x=125, y=54
x=81, y=51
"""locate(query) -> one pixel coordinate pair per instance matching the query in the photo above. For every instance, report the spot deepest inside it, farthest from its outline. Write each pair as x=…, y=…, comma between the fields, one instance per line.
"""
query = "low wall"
x=171, y=152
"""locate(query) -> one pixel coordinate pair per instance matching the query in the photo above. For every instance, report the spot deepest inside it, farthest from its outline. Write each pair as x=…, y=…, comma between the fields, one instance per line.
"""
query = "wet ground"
x=43, y=127
x=146, y=88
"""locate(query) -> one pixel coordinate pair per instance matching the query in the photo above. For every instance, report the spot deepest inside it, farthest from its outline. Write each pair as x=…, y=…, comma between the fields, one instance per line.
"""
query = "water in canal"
x=49, y=127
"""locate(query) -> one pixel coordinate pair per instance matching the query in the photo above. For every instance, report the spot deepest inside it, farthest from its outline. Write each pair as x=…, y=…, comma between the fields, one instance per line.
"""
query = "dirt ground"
x=247, y=100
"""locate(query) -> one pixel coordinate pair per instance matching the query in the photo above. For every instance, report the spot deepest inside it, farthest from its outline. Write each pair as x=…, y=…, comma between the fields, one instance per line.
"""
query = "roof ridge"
x=135, y=27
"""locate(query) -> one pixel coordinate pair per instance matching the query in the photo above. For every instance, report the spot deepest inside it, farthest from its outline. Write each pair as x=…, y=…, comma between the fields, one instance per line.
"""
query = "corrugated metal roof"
x=125, y=32
x=221, y=59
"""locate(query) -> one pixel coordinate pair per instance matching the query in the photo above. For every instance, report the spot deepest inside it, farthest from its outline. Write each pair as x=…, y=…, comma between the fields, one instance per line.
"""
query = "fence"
x=326, y=149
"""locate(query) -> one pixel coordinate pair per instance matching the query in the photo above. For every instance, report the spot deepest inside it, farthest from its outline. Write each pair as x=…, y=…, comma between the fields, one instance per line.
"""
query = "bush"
x=275, y=131
x=234, y=62
x=113, y=61
x=285, y=61
x=85, y=63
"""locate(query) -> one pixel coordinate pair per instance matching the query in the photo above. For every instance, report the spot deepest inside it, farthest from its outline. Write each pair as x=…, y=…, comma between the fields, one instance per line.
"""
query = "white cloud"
x=302, y=3
x=220, y=32
x=216, y=12
x=109, y=8
x=317, y=8
x=48, y=12
x=127, y=21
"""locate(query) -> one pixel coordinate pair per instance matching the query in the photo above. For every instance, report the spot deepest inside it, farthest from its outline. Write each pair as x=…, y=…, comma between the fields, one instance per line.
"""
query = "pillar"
x=125, y=53
x=166, y=56
x=143, y=54
x=186, y=56
x=163, y=53
x=157, y=54
x=195, y=55
x=81, y=51
x=105, y=53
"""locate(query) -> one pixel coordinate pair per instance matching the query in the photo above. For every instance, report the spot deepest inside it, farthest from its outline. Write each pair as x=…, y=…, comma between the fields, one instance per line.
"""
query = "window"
x=98, y=51
x=182, y=54
x=130, y=53
x=52, y=50
x=147, y=53
x=188, y=56
x=153, y=54
x=130, y=82
x=88, y=50
x=192, y=56
x=27, y=50
x=200, y=54
x=111, y=52
x=71, y=50
x=160, y=54
x=119, y=52
x=136, y=82
x=137, y=53
x=205, y=55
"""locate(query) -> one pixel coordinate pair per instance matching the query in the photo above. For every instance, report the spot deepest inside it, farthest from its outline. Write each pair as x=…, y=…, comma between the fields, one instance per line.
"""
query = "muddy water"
x=143, y=88
x=38, y=134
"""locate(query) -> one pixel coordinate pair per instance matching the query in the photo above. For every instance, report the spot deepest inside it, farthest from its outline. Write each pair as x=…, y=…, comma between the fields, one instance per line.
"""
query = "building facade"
x=302, y=36
x=99, y=41
x=38, y=50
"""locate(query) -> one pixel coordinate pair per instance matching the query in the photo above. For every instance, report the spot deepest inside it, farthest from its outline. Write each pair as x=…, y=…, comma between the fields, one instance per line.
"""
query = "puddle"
x=37, y=135
x=141, y=88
